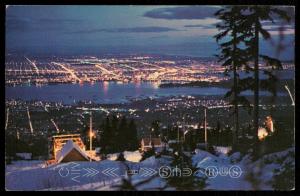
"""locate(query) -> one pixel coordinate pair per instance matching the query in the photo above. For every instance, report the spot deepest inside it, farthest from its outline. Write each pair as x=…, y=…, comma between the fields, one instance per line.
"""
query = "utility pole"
x=151, y=136
x=184, y=126
x=18, y=135
x=178, y=134
x=91, y=131
x=57, y=129
x=205, y=128
x=30, y=125
x=91, y=135
x=7, y=115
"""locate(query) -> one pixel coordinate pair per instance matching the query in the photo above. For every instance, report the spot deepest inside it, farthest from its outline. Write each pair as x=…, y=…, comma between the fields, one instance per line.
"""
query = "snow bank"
x=235, y=157
x=151, y=184
x=51, y=178
x=202, y=158
x=150, y=161
x=38, y=177
x=222, y=149
x=24, y=165
x=112, y=157
x=132, y=156
x=258, y=175
x=264, y=168
x=222, y=181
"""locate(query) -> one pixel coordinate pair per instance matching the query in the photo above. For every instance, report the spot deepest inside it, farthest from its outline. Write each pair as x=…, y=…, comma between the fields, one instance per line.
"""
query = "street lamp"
x=205, y=128
x=91, y=134
x=177, y=131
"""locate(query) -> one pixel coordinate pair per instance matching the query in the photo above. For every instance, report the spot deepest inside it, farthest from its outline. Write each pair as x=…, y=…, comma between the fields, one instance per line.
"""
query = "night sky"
x=179, y=30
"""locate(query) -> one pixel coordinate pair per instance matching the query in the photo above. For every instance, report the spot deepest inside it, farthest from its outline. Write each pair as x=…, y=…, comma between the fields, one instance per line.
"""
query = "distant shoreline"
x=196, y=84
x=224, y=84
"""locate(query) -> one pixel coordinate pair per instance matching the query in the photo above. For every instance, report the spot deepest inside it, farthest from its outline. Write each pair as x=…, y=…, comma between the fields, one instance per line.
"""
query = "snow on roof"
x=67, y=148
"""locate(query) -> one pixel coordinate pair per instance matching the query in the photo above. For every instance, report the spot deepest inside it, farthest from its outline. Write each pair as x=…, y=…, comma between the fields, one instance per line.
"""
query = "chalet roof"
x=71, y=152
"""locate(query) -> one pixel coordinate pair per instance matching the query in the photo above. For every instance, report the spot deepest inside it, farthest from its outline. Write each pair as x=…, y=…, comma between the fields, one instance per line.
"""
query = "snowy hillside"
x=108, y=174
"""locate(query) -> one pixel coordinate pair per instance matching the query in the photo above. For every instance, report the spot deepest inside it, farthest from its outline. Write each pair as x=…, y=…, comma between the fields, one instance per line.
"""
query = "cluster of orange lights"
x=92, y=134
x=262, y=133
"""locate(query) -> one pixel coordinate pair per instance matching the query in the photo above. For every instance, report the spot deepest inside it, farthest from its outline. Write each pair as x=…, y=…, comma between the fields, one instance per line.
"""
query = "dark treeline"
x=115, y=135
x=36, y=146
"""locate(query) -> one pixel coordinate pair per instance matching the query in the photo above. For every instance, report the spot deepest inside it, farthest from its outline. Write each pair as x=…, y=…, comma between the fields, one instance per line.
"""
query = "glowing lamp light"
x=92, y=134
x=262, y=133
x=269, y=123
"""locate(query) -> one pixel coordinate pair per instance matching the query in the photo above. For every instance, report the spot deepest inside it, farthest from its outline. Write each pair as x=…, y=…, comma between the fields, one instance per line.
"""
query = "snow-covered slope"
x=220, y=165
x=107, y=174
x=258, y=175
x=265, y=169
x=63, y=176
x=132, y=156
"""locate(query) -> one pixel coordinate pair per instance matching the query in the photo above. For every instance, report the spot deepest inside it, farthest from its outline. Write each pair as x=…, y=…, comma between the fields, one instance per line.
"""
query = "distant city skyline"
x=177, y=30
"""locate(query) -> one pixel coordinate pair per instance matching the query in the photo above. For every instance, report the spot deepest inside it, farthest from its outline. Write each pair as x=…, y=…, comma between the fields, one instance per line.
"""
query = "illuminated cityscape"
x=22, y=70
x=179, y=98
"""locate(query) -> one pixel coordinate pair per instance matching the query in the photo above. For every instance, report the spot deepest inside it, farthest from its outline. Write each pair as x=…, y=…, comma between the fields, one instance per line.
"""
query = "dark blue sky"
x=180, y=30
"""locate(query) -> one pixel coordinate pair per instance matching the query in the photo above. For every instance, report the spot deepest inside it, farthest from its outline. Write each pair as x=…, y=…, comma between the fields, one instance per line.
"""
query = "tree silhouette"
x=106, y=138
x=243, y=25
x=118, y=135
x=182, y=180
x=122, y=138
x=132, y=133
x=234, y=54
x=254, y=16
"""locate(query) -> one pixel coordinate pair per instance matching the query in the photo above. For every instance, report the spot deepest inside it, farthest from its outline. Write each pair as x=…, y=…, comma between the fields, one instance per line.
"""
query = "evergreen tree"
x=253, y=24
x=114, y=137
x=132, y=133
x=107, y=136
x=180, y=179
x=122, y=137
x=118, y=135
x=234, y=54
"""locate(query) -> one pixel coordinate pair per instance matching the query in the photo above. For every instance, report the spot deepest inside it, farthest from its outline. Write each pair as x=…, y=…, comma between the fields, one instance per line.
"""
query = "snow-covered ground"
x=34, y=175
x=108, y=174
x=113, y=156
x=222, y=176
x=135, y=156
x=222, y=149
x=256, y=175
